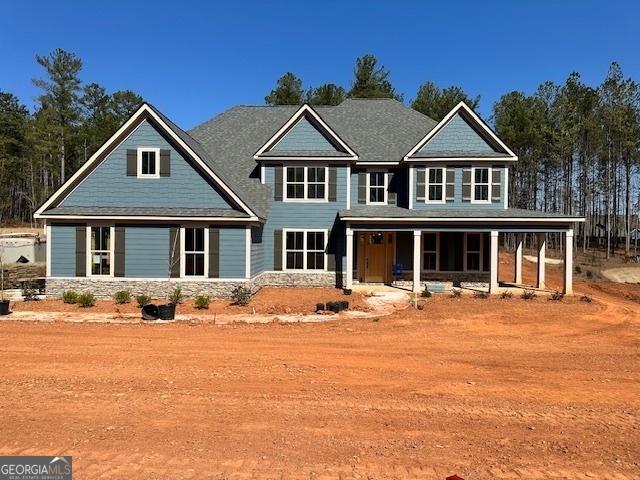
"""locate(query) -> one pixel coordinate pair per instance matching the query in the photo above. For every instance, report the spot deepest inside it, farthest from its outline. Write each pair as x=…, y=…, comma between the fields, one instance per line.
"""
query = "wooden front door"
x=375, y=257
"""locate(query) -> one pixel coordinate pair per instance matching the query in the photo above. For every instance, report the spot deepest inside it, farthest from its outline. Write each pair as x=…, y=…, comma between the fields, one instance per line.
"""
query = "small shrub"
x=556, y=296
x=480, y=294
x=143, y=299
x=586, y=298
x=578, y=269
x=456, y=293
x=121, y=297
x=29, y=292
x=202, y=301
x=589, y=274
x=70, y=296
x=320, y=307
x=426, y=293
x=241, y=295
x=506, y=295
x=528, y=294
x=86, y=300
x=347, y=291
x=176, y=296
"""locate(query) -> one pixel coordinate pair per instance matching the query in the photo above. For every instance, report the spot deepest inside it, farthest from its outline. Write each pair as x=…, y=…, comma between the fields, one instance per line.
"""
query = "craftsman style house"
x=363, y=192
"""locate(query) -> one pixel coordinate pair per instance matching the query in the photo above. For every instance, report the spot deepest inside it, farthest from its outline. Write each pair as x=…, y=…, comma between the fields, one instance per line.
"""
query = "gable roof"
x=462, y=135
x=313, y=136
x=147, y=112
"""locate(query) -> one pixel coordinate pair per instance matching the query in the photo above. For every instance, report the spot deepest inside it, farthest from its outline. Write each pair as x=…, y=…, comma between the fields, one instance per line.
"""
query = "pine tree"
x=371, y=81
x=436, y=103
x=288, y=91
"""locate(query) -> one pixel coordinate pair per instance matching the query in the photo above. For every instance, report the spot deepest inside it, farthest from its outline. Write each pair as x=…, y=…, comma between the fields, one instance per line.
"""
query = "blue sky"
x=193, y=60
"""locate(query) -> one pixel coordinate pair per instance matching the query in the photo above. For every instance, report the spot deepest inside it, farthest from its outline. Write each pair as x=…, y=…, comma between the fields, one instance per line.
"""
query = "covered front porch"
x=416, y=256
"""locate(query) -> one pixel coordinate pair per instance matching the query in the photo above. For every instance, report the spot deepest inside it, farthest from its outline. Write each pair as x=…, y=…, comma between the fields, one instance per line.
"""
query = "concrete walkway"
x=623, y=274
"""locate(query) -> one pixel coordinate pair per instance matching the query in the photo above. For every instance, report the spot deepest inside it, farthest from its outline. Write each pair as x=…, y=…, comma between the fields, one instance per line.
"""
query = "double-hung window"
x=305, y=249
x=148, y=163
x=306, y=183
x=430, y=251
x=480, y=184
x=435, y=185
x=100, y=251
x=473, y=249
x=194, y=251
x=377, y=188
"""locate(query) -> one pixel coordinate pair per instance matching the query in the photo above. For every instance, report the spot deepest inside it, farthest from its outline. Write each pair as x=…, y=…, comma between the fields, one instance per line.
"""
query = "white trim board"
x=303, y=110
x=479, y=122
x=144, y=108
x=463, y=220
x=148, y=218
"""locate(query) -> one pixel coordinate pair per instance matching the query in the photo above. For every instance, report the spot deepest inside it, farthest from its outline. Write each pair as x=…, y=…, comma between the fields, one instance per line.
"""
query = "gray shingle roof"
x=377, y=129
x=148, y=212
x=389, y=211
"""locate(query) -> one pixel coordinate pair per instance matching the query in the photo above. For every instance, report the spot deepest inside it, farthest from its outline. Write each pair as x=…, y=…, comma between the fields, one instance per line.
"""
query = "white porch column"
x=417, y=259
x=542, y=246
x=349, y=273
x=493, y=262
x=518, y=260
x=568, y=262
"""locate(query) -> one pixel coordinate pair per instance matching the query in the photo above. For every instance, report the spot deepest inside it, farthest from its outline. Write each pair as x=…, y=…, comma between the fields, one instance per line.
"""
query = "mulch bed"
x=266, y=301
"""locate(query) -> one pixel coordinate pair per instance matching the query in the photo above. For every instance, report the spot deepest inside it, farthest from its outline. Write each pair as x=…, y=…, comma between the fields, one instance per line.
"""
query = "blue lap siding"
x=109, y=186
x=146, y=252
x=232, y=252
x=305, y=215
x=457, y=136
x=304, y=137
x=63, y=251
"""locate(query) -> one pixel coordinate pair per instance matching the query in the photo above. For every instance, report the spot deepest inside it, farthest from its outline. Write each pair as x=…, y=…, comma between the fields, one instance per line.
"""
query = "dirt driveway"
x=483, y=388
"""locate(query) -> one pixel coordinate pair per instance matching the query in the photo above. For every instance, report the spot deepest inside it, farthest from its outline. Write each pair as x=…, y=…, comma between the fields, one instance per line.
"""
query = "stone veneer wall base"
x=105, y=288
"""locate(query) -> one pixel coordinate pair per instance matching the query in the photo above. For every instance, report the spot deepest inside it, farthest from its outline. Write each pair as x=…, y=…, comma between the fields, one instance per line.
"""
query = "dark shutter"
x=81, y=251
x=362, y=188
x=277, y=250
x=331, y=262
x=174, y=252
x=165, y=163
x=420, y=184
x=495, y=184
x=451, y=185
x=132, y=163
x=118, y=252
x=392, y=191
x=333, y=180
x=466, y=184
x=277, y=192
x=214, y=252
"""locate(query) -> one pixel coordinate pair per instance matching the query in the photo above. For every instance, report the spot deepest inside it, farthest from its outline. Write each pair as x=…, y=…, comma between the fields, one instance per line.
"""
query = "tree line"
x=39, y=150
x=578, y=145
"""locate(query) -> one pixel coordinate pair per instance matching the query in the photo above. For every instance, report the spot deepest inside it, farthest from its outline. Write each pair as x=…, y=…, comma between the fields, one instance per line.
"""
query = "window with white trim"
x=148, y=163
x=481, y=184
x=305, y=249
x=473, y=252
x=430, y=251
x=377, y=188
x=306, y=183
x=195, y=251
x=435, y=185
x=100, y=251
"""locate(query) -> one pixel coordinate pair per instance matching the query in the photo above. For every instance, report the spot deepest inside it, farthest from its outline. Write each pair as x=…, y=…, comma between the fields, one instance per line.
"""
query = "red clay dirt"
x=483, y=388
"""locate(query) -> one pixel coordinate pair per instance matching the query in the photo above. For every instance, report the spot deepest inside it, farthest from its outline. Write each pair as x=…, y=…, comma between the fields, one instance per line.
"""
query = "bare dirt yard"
x=483, y=388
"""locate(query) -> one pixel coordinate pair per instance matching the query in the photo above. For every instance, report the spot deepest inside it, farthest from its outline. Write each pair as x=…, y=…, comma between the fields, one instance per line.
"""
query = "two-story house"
x=366, y=191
